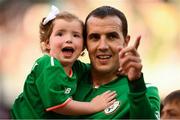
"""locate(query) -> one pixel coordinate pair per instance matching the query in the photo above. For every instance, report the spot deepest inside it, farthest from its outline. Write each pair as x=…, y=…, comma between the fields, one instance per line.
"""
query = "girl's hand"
x=103, y=101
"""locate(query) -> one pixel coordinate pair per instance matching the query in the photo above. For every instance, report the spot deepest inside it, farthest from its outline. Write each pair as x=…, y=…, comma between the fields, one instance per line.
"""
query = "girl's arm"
x=97, y=104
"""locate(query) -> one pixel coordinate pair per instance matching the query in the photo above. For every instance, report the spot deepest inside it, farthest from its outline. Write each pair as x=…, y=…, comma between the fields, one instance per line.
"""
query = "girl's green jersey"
x=46, y=87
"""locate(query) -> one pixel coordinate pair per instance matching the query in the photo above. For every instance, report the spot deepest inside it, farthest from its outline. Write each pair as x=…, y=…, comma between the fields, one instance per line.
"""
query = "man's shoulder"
x=79, y=63
x=151, y=86
x=81, y=67
x=152, y=89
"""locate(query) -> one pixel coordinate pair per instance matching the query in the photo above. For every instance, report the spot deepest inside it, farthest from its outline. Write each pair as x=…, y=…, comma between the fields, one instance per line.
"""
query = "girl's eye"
x=59, y=34
x=76, y=35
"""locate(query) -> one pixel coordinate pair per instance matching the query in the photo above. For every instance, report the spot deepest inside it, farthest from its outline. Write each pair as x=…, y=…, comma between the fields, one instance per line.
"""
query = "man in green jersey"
x=107, y=43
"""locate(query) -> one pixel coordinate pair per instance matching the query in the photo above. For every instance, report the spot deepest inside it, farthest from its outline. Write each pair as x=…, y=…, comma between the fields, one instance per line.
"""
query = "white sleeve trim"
x=52, y=61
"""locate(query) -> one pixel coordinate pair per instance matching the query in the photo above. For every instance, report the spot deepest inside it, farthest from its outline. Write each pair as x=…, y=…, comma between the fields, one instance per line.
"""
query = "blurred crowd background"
x=157, y=21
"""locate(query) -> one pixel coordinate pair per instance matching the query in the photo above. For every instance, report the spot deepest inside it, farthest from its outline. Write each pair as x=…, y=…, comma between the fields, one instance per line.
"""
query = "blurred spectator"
x=4, y=112
x=171, y=106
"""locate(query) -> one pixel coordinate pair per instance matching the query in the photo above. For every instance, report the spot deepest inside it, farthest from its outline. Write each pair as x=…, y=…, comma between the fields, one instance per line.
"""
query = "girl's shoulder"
x=47, y=60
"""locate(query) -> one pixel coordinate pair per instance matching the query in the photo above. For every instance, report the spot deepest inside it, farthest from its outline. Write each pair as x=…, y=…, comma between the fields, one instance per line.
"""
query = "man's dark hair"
x=172, y=97
x=105, y=11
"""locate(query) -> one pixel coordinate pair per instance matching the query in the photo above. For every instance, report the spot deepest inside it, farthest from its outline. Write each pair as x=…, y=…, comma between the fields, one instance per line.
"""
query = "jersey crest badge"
x=112, y=108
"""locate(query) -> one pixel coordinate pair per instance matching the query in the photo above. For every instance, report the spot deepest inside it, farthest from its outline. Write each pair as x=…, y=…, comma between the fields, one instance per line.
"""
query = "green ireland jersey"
x=46, y=87
x=135, y=100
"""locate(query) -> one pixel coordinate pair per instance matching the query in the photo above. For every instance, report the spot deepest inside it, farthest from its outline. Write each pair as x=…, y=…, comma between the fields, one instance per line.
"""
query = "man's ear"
x=127, y=39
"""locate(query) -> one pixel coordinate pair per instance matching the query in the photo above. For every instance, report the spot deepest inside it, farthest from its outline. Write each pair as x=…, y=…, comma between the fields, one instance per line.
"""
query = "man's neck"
x=99, y=79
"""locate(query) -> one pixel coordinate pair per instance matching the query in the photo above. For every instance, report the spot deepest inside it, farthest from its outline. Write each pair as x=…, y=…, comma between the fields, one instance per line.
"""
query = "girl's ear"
x=127, y=39
x=45, y=46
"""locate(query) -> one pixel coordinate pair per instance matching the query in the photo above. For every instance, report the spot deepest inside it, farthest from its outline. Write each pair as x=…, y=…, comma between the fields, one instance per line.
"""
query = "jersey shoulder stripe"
x=150, y=85
x=52, y=61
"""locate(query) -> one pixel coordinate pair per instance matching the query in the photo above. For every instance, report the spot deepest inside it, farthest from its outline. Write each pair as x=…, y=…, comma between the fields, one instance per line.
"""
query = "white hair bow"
x=54, y=11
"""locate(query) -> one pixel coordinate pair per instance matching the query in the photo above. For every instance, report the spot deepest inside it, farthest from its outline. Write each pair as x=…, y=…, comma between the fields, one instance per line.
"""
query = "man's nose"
x=103, y=45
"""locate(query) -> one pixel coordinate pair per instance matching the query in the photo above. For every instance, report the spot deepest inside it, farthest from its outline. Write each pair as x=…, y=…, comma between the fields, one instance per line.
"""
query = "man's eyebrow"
x=112, y=33
x=93, y=35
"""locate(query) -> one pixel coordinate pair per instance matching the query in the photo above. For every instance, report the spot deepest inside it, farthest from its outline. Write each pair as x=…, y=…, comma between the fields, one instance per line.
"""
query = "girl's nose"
x=69, y=39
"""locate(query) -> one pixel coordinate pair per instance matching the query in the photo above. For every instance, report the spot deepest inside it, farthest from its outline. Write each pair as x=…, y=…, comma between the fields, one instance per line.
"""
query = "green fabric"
x=46, y=86
x=134, y=99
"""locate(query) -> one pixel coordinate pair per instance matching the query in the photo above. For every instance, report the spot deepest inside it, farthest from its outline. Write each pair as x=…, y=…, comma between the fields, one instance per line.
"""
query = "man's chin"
x=103, y=69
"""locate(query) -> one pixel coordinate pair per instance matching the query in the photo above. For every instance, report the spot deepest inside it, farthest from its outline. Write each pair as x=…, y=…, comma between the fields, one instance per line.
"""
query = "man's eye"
x=94, y=37
x=173, y=114
x=112, y=36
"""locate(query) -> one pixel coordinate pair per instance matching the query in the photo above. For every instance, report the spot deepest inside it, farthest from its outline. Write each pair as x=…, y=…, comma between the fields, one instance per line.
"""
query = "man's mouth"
x=104, y=56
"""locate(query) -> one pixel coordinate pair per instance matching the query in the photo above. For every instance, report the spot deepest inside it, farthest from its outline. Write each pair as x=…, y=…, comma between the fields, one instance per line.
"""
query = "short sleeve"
x=53, y=86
